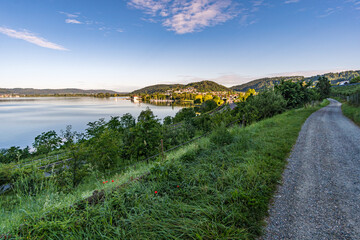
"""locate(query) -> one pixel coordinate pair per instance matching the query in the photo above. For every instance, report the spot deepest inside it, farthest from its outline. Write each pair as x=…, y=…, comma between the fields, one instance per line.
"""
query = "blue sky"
x=127, y=44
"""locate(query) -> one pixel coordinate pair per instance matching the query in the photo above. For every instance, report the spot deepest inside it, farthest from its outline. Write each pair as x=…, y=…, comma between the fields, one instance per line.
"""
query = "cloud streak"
x=73, y=21
x=31, y=38
x=187, y=16
x=291, y=1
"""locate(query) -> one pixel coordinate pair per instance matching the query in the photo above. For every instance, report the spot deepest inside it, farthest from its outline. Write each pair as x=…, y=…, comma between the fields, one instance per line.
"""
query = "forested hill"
x=203, y=86
x=337, y=77
x=264, y=83
x=32, y=91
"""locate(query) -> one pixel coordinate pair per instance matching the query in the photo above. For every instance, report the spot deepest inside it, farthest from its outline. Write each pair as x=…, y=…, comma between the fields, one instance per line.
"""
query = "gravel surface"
x=320, y=194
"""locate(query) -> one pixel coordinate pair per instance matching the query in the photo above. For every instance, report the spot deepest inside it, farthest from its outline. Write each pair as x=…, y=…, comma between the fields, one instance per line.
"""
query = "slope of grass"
x=216, y=188
x=351, y=112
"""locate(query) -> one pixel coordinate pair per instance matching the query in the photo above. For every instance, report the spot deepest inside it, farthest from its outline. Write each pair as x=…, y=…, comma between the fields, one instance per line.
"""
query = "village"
x=194, y=96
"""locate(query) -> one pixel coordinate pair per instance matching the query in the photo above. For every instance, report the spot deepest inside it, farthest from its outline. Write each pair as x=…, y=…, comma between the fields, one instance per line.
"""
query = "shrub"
x=221, y=136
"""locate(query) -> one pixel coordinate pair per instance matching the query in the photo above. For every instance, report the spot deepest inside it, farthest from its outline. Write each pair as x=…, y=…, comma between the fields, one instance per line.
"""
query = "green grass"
x=351, y=112
x=224, y=191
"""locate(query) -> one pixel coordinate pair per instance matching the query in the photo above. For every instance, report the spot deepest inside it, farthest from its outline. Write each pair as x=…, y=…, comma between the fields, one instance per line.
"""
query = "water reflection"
x=22, y=119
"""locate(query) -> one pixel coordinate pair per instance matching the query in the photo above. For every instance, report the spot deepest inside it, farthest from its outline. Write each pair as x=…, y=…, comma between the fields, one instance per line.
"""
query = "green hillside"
x=203, y=86
x=264, y=83
x=337, y=77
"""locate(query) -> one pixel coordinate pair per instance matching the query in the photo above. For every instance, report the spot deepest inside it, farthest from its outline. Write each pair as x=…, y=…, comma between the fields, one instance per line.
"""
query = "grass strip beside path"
x=351, y=112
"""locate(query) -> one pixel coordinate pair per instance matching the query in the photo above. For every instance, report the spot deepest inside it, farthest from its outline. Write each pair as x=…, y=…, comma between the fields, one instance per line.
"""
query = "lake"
x=22, y=119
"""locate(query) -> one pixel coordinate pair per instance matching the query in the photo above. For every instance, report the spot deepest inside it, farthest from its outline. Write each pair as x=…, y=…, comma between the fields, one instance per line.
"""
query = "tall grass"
x=203, y=191
x=351, y=112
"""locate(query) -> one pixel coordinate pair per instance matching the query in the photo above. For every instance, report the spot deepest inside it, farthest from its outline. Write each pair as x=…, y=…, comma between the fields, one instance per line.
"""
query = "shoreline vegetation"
x=216, y=187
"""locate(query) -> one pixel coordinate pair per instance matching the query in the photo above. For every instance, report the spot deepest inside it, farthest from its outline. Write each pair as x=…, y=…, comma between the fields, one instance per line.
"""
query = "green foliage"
x=351, y=112
x=95, y=128
x=208, y=105
x=185, y=114
x=30, y=182
x=223, y=192
x=345, y=90
x=323, y=87
x=297, y=94
x=14, y=154
x=103, y=152
x=203, y=86
x=265, y=83
x=355, y=80
x=264, y=105
x=221, y=136
x=269, y=83
x=46, y=142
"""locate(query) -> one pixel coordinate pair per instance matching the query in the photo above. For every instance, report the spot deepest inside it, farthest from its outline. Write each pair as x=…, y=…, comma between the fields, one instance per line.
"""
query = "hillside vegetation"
x=351, y=109
x=216, y=188
x=203, y=86
x=265, y=83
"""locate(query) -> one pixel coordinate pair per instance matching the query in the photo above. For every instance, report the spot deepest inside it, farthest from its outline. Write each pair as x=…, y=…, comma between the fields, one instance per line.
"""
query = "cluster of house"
x=224, y=95
x=9, y=96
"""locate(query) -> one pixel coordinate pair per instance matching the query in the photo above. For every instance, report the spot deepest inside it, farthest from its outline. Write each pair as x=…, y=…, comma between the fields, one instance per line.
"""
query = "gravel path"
x=320, y=195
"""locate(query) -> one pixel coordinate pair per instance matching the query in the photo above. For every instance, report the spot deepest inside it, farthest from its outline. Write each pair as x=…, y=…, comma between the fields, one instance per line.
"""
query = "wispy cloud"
x=71, y=17
x=31, y=38
x=74, y=21
x=187, y=16
x=78, y=18
x=330, y=11
x=291, y=1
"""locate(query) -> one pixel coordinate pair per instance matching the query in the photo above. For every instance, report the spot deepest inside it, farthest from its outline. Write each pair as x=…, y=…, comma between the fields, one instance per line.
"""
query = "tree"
x=95, y=128
x=184, y=114
x=146, y=135
x=168, y=120
x=104, y=150
x=208, y=106
x=46, y=142
x=127, y=121
x=355, y=80
x=73, y=142
x=208, y=97
x=323, y=87
x=295, y=93
x=198, y=99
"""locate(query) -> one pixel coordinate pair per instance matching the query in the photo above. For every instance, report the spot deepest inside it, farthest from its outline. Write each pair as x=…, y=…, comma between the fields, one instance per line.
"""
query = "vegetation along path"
x=320, y=195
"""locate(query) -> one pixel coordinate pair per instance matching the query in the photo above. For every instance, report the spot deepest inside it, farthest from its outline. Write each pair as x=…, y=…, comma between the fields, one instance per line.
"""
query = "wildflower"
x=106, y=181
x=178, y=186
x=155, y=192
x=112, y=180
x=103, y=182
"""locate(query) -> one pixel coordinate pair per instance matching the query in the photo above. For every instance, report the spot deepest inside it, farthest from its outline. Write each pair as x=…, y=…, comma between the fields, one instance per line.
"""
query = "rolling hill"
x=203, y=86
x=264, y=83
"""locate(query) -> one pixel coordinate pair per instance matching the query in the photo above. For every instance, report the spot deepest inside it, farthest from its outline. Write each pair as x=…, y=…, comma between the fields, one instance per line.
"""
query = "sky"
x=124, y=45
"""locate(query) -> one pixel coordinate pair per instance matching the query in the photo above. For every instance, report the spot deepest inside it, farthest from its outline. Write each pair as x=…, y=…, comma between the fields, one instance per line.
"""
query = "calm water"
x=22, y=119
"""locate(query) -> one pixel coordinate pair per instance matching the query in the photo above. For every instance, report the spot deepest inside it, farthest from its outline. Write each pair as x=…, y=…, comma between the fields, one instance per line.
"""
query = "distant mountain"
x=33, y=91
x=203, y=86
x=264, y=83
